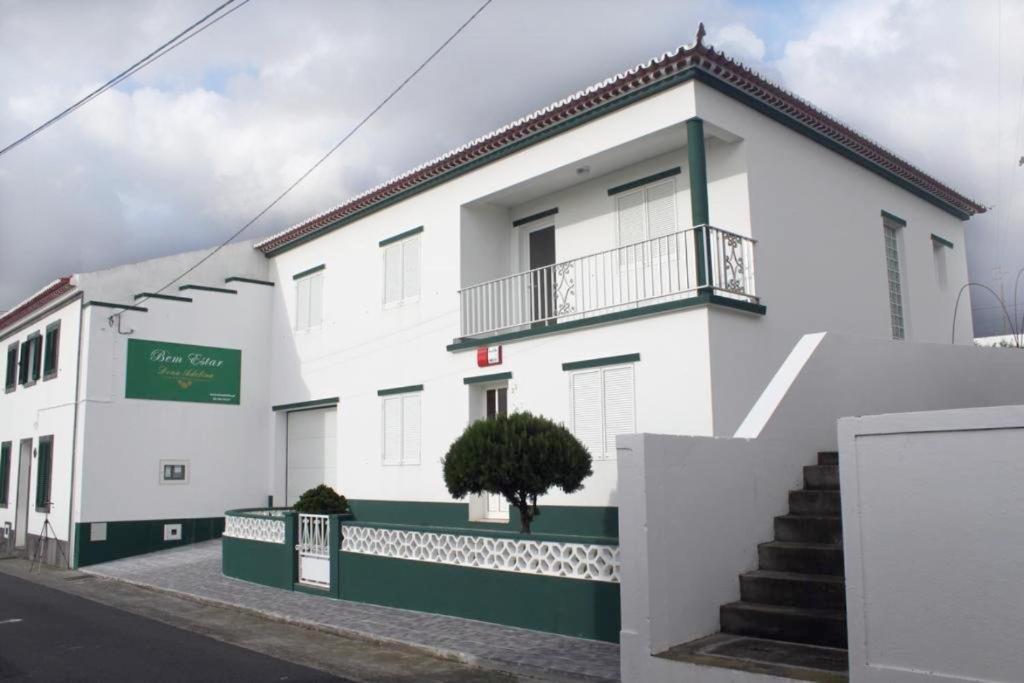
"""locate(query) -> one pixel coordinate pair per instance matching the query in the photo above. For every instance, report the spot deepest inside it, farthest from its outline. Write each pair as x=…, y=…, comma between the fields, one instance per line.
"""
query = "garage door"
x=312, y=450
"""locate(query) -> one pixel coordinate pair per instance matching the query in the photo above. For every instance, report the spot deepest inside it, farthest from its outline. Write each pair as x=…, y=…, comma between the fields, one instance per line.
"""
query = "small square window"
x=173, y=472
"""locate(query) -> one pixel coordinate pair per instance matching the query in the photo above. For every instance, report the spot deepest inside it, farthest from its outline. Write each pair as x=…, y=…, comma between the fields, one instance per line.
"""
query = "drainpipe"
x=72, y=532
x=698, y=170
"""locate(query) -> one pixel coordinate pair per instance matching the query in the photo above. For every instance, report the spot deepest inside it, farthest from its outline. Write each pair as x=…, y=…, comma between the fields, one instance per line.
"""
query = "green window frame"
x=44, y=473
x=51, y=353
x=11, y=375
x=23, y=355
x=5, y=473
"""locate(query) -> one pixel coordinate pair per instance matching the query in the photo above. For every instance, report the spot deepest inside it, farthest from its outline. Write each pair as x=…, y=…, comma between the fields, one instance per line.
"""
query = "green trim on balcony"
x=249, y=280
x=702, y=298
x=308, y=271
x=495, y=377
x=400, y=390
x=107, y=304
x=307, y=405
x=646, y=180
x=125, y=539
x=894, y=218
x=534, y=217
x=941, y=241
x=400, y=236
x=165, y=297
x=206, y=288
x=598, y=362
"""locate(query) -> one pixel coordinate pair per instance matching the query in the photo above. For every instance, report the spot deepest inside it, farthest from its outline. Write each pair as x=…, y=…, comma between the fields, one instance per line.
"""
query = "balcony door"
x=542, y=282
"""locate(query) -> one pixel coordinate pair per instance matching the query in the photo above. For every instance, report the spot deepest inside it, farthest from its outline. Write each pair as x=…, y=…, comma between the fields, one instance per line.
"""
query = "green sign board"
x=164, y=371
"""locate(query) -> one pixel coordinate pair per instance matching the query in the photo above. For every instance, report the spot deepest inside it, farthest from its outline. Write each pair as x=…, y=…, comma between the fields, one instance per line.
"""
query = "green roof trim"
x=205, y=288
x=646, y=180
x=941, y=241
x=165, y=297
x=598, y=362
x=107, y=304
x=494, y=377
x=308, y=271
x=534, y=217
x=400, y=390
x=894, y=218
x=400, y=236
x=306, y=405
x=703, y=298
x=249, y=280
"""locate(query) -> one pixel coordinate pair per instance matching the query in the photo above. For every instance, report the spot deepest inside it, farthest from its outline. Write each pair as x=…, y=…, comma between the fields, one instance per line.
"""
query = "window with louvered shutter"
x=618, y=405
x=630, y=211
x=316, y=299
x=587, y=422
x=51, y=350
x=401, y=429
x=411, y=429
x=393, y=273
x=302, y=304
x=12, y=368
x=5, y=472
x=411, y=267
x=23, y=363
x=392, y=431
x=44, y=467
x=661, y=209
x=402, y=270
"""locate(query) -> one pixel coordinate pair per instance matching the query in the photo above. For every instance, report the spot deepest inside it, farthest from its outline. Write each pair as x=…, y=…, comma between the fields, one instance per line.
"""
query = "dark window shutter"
x=23, y=364
x=37, y=357
x=12, y=367
x=43, y=469
x=52, y=346
x=5, y=471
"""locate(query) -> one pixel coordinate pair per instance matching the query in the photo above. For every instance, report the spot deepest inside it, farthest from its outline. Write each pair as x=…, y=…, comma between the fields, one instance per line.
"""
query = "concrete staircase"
x=797, y=594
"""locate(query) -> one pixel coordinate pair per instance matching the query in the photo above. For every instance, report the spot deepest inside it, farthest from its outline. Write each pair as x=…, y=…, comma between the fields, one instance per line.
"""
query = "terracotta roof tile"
x=50, y=292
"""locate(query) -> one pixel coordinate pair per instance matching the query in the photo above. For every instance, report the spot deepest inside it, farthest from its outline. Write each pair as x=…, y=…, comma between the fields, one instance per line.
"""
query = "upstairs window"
x=11, y=375
x=646, y=213
x=309, y=299
x=30, y=362
x=50, y=352
x=894, y=274
x=400, y=427
x=401, y=269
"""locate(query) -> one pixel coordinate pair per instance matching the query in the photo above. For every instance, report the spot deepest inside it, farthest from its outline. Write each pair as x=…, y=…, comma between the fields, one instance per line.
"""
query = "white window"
x=647, y=212
x=603, y=406
x=400, y=427
x=894, y=274
x=402, y=270
x=309, y=301
x=174, y=471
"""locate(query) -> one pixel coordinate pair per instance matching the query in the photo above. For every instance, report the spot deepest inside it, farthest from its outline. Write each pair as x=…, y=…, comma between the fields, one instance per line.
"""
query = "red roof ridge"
x=52, y=291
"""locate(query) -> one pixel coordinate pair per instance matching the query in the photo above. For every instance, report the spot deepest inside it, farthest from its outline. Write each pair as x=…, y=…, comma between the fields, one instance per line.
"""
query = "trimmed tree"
x=321, y=500
x=518, y=456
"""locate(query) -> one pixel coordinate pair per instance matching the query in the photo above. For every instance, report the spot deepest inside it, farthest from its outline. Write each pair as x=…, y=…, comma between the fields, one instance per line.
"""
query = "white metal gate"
x=314, y=550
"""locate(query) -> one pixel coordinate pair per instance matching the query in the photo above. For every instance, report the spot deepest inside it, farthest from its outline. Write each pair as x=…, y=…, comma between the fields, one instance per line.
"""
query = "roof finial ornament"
x=700, y=35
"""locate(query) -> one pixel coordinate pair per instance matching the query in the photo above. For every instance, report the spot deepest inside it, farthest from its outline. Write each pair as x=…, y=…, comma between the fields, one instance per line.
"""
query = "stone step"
x=820, y=591
x=786, y=661
x=809, y=529
x=822, y=477
x=815, y=503
x=828, y=457
x=803, y=558
x=792, y=624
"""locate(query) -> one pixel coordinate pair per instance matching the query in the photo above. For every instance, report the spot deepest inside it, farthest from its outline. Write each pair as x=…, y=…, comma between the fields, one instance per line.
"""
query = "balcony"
x=671, y=268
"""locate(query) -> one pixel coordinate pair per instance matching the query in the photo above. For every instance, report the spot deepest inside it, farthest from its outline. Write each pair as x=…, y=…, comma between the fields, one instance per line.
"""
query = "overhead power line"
x=331, y=151
x=189, y=33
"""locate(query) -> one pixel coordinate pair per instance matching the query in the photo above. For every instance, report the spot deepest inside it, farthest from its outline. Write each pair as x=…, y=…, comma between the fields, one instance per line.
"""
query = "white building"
x=640, y=257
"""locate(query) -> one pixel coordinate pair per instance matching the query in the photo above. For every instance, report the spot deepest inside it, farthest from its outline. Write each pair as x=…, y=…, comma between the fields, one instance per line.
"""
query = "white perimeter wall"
x=123, y=440
x=43, y=409
x=933, y=529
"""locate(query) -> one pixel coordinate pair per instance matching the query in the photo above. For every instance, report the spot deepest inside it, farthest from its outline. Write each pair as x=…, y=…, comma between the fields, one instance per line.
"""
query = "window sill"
x=50, y=376
x=398, y=304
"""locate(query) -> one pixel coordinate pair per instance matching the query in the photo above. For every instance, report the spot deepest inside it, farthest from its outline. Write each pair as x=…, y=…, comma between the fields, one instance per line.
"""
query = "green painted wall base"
x=125, y=539
x=270, y=564
x=572, y=607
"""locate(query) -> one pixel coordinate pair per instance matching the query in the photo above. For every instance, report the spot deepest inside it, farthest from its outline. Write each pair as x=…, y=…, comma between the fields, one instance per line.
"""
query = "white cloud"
x=738, y=41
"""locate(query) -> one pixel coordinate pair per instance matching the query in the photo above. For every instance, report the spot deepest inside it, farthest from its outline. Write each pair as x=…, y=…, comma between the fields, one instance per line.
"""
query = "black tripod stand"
x=45, y=535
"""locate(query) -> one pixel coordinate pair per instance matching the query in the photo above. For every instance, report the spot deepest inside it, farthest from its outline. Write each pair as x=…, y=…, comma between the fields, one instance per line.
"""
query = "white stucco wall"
x=124, y=440
x=933, y=527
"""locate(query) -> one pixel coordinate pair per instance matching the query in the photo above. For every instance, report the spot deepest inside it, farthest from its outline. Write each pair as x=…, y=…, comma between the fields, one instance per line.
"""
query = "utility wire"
x=324, y=158
x=190, y=32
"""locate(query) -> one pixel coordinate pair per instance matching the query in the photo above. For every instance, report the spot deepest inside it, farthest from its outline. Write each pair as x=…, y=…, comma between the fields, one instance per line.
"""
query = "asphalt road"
x=51, y=635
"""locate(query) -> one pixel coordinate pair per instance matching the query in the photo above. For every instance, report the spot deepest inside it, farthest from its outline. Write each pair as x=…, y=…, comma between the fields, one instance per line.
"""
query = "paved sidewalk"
x=195, y=571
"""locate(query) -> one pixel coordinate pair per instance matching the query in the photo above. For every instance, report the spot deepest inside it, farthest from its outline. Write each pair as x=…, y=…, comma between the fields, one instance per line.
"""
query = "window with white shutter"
x=402, y=270
x=647, y=213
x=603, y=406
x=309, y=301
x=400, y=429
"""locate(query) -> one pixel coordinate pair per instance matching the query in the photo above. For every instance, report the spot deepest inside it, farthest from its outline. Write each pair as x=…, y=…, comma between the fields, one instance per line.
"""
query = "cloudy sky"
x=179, y=156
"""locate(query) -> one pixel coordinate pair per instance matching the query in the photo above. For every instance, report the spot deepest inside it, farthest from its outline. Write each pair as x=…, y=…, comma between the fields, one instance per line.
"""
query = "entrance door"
x=24, y=477
x=312, y=455
x=495, y=403
x=542, y=282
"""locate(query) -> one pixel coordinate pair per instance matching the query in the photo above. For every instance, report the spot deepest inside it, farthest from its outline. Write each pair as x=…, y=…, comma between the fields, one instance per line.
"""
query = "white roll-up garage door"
x=312, y=450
